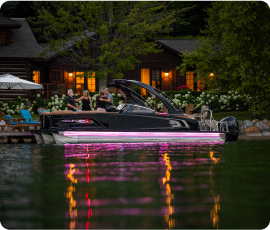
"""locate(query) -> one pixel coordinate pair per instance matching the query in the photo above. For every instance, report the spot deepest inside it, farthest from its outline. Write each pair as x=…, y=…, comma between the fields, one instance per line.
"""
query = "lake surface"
x=166, y=185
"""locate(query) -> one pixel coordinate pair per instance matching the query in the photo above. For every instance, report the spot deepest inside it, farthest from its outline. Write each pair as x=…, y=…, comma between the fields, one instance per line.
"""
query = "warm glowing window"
x=145, y=78
x=36, y=76
x=79, y=83
x=189, y=80
x=92, y=84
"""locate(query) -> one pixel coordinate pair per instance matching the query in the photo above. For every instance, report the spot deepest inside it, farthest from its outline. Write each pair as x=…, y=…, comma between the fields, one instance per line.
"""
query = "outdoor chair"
x=28, y=119
x=189, y=109
x=11, y=123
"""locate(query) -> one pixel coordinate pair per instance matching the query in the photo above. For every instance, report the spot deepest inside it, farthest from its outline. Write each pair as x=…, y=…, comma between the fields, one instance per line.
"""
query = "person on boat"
x=86, y=100
x=100, y=105
x=70, y=100
x=109, y=101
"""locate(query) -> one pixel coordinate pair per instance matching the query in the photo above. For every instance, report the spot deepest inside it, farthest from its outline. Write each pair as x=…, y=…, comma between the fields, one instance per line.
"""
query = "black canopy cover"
x=140, y=100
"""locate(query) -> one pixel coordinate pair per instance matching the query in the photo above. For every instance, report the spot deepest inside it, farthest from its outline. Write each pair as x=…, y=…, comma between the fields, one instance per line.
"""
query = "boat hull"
x=82, y=137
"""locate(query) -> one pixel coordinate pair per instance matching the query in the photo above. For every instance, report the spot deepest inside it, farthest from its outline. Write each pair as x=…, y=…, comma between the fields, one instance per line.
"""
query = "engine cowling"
x=233, y=128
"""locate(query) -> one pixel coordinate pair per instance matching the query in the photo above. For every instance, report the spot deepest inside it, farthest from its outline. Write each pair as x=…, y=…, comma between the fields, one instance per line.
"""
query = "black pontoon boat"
x=137, y=122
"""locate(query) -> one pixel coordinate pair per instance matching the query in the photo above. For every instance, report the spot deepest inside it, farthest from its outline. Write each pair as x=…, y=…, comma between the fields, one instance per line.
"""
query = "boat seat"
x=45, y=113
x=62, y=112
x=86, y=112
x=186, y=116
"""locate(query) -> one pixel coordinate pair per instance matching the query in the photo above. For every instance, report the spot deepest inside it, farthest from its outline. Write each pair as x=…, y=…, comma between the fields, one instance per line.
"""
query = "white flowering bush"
x=231, y=100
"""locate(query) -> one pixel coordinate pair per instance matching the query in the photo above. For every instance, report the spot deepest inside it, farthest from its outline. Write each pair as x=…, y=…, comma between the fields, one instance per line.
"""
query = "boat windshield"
x=129, y=108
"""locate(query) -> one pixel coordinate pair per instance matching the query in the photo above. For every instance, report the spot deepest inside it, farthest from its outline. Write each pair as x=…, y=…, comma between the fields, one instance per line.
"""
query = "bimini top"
x=165, y=99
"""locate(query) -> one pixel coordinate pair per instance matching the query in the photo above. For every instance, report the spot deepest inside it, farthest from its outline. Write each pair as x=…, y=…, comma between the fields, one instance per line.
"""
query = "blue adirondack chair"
x=27, y=116
x=10, y=123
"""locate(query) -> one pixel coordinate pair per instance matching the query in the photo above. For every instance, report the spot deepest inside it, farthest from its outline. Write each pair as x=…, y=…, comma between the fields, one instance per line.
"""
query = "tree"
x=8, y=8
x=236, y=49
x=104, y=37
x=194, y=18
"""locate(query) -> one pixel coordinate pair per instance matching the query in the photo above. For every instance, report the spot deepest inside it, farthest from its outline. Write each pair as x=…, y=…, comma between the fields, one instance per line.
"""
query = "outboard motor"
x=232, y=131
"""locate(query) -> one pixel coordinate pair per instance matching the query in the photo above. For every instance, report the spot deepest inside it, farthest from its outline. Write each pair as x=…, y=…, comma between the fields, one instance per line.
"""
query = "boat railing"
x=211, y=124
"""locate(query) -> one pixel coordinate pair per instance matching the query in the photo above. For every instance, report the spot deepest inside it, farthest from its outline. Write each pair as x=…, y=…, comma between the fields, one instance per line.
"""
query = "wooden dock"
x=17, y=137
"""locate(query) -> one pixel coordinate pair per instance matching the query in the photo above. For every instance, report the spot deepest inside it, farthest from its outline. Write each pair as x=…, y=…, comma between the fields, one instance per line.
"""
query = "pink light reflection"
x=141, y=134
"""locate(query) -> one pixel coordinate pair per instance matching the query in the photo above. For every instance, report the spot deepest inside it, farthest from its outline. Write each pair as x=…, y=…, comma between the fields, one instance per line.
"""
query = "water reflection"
x=139, y=186
x=128, y=170
x=214, y=212
x=170, y=210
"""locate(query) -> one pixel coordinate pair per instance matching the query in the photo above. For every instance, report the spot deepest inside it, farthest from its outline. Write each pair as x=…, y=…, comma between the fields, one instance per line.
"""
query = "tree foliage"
x=105, y=37
x=236, y=49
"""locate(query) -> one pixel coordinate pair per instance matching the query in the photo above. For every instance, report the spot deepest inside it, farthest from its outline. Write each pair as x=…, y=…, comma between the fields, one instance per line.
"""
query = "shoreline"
x=252, y=137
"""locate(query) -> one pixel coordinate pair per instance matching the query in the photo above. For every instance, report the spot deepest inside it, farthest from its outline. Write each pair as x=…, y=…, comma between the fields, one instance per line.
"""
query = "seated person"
x=101, y=104
x=109, y=101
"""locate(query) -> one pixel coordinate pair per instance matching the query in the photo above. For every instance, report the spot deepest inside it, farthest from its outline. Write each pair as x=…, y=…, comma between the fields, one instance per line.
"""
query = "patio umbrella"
x=8, y=81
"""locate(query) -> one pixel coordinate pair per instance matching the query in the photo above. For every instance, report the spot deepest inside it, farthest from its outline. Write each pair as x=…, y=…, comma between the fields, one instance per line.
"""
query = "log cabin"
x=20, y=56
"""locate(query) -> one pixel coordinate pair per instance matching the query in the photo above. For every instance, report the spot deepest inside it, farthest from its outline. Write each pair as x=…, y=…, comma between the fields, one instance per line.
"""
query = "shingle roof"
x=24, y=43
x=69, y=44
x=8, y=22
x=178, y=45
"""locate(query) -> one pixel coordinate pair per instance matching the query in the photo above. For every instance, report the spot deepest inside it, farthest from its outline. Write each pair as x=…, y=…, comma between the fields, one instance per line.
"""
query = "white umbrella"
x=8, y=81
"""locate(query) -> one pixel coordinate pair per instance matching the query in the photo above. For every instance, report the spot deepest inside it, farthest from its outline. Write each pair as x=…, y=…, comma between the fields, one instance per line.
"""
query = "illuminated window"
x=91, y=83
x=189, y=80
x=145, y=78
x=36, y=76
x=79, y=83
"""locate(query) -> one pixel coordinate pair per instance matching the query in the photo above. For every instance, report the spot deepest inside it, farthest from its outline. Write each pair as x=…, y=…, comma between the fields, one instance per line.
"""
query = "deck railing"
x=51, y=89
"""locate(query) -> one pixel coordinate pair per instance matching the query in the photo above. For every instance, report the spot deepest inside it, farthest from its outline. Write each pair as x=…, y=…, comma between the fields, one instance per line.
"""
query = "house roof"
x=67, y=45
x=24, y=43
x=178, y=45
x=10, y=23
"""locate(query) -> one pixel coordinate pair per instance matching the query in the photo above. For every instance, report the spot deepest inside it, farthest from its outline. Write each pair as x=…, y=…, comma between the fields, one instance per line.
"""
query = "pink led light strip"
x=141, y=134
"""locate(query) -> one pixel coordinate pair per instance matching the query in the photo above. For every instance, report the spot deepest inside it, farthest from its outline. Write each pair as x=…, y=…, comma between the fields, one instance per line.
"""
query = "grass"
x=35, y=116
x=239, y=115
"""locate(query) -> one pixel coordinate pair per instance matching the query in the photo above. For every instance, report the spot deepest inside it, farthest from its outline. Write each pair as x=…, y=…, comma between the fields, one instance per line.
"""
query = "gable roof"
x=10, y=23
x=178, y=45
x=67, y=45
x=24, y=43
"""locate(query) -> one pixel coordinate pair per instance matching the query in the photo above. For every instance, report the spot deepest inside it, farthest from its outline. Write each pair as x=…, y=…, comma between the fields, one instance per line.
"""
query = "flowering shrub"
x=218, y=101
x=231, y=100
x=182, y=87
x=13, y=107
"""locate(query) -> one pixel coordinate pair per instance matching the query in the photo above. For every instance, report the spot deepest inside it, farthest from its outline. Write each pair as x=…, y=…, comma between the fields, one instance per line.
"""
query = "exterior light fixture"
x=211, y=74
x=70, y=74
x=166, y=74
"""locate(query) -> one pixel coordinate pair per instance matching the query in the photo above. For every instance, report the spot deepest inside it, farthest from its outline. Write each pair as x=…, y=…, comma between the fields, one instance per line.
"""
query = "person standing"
x=109, y=101
x=70, y=100
x=100, y=105
x=86, y=101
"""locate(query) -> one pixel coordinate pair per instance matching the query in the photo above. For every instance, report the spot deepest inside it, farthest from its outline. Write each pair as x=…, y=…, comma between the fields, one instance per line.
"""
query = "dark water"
x=197, y=186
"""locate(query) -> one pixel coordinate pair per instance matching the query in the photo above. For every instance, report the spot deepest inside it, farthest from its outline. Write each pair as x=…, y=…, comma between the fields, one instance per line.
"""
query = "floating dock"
x=17, y=137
